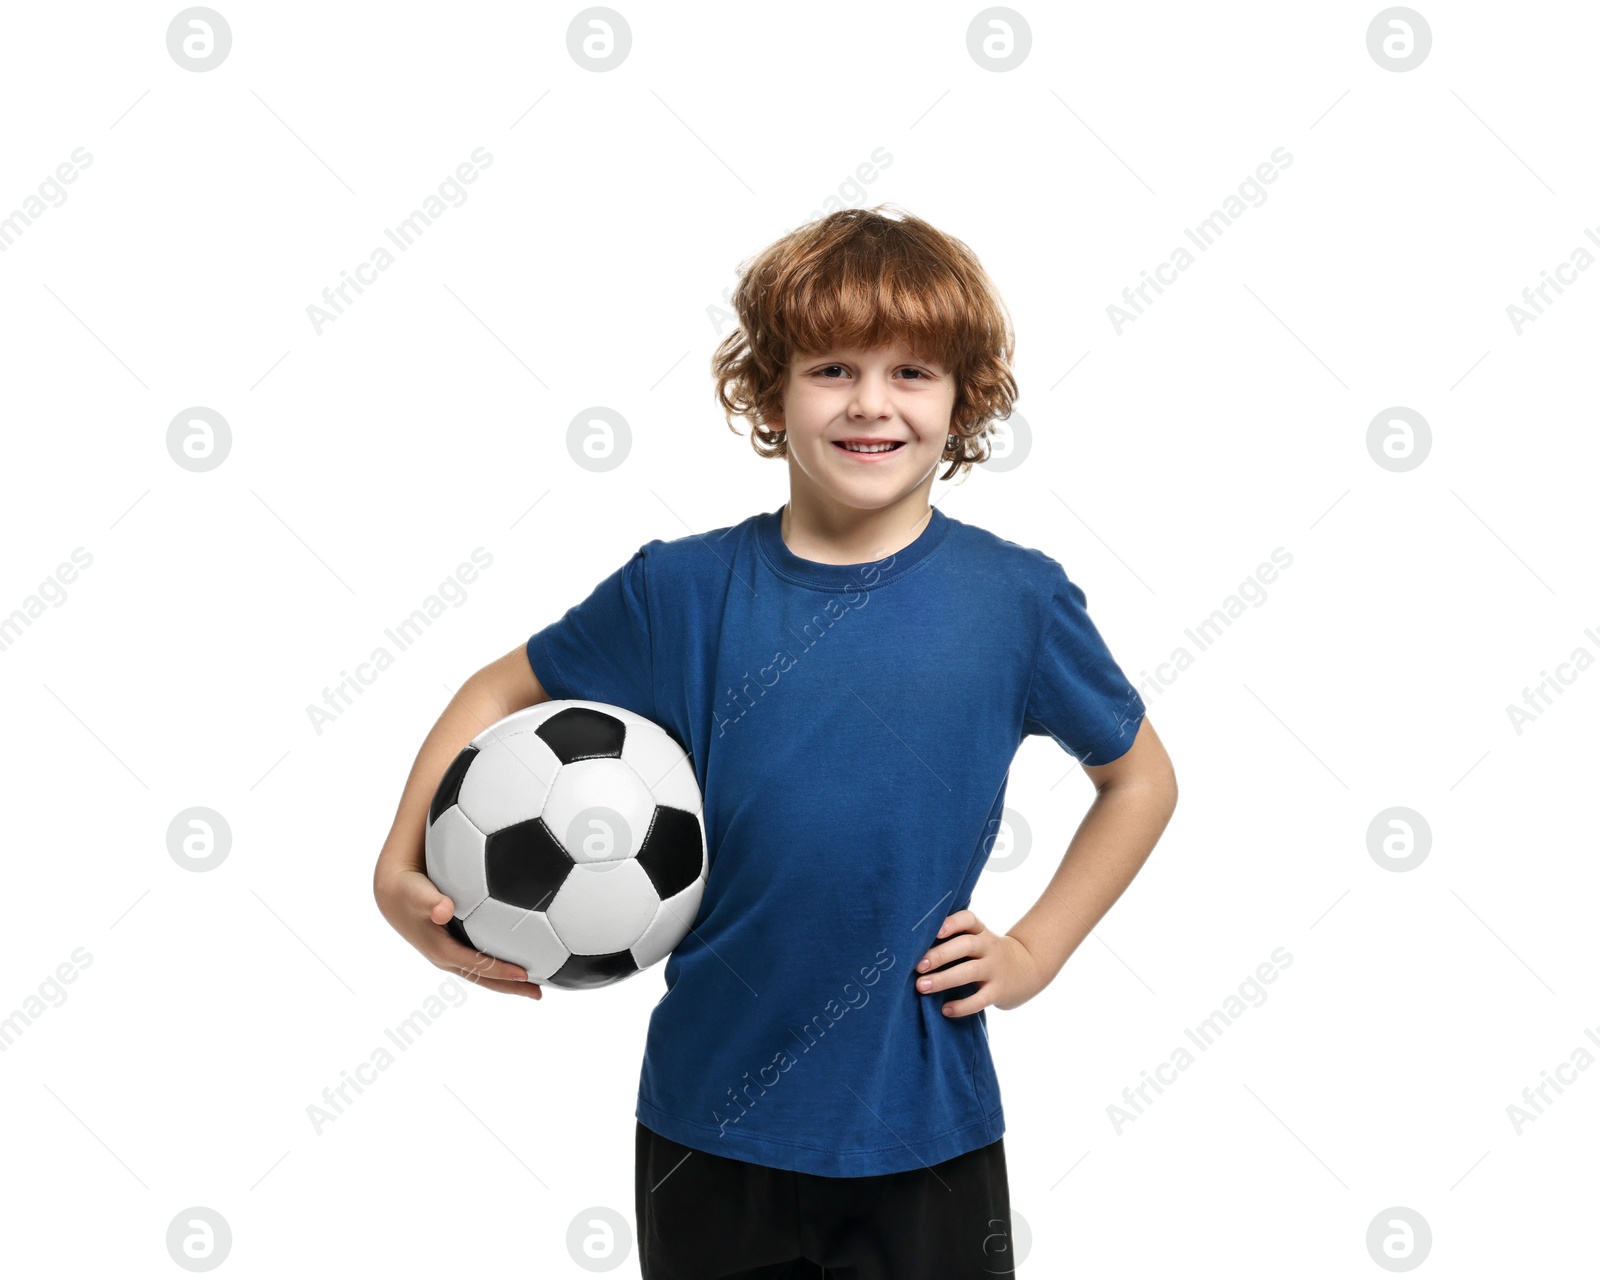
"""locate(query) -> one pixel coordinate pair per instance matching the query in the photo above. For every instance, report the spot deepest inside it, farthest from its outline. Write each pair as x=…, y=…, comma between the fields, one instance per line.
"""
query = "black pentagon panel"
x=458, y=931
x=449, y=788
x=582, y=733
x=672, y=852
x=525, y=865
x=594, y=971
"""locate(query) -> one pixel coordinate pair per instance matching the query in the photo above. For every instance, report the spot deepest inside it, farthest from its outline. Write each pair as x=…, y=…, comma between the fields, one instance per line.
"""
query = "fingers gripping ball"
x=569, y=837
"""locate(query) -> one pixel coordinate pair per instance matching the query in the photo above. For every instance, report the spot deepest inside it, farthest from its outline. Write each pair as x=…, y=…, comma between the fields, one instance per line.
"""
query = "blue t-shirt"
x=852, y=728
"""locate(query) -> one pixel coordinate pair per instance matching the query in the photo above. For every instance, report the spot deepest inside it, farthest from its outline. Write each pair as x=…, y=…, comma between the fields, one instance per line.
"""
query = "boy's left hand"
x=1002, y=966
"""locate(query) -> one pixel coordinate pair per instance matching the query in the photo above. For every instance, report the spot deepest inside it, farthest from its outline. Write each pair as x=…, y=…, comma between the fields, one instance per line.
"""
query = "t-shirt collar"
x=845, y=577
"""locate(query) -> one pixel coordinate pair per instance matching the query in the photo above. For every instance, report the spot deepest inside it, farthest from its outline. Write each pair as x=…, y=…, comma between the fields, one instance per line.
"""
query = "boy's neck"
x=831, y=533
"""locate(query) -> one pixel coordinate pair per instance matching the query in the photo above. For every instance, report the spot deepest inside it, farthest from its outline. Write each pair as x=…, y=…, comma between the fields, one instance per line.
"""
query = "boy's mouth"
x=867, y=448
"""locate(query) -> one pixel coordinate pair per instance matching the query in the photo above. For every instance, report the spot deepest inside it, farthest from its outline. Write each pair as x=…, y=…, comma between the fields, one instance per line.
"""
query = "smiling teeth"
x=871, y=448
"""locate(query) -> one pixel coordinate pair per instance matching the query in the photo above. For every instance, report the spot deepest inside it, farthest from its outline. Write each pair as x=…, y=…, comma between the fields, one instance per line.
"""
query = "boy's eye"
x=826, y=370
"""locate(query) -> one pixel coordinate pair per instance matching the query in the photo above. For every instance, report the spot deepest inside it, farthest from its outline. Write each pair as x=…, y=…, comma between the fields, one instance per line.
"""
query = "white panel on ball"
x=605, y=785
x=509, y=780
x=604, y=907
x=672, y=922
x=454, y=853
x=666, y=770
x=518, y=935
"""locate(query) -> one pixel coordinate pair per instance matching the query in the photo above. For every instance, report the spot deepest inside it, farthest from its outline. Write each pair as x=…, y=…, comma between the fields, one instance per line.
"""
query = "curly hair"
x=856, y=278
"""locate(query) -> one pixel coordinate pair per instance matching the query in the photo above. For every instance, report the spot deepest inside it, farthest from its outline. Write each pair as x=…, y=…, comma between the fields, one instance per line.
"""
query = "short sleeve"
x=599, y=650
x=1079, y=695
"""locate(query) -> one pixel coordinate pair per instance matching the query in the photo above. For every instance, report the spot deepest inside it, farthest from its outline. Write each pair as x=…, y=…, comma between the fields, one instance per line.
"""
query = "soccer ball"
x=569, y=838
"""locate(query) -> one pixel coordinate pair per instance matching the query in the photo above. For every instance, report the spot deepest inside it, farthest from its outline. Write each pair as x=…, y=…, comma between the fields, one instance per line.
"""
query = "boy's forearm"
x=475, y=706
x=1111, y=844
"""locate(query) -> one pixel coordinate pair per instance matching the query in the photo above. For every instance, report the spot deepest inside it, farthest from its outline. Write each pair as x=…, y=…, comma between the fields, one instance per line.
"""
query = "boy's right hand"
x=418, y=912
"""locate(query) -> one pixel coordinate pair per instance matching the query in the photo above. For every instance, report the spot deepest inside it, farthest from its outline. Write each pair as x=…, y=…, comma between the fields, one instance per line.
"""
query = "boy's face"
x=887, y=395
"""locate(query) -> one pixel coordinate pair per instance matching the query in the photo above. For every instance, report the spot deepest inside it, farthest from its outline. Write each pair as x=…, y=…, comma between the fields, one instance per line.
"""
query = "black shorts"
x=708, y=1217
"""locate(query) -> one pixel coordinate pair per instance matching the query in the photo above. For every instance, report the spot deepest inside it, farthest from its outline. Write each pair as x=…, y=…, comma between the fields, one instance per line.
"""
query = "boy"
x=852, y=675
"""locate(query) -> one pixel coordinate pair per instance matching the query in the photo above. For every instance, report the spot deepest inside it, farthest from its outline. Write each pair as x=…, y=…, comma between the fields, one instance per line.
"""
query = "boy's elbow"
x=1161, y=779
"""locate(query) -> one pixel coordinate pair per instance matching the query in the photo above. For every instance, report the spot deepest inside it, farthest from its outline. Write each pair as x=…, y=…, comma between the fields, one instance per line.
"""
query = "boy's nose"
x=869, y=399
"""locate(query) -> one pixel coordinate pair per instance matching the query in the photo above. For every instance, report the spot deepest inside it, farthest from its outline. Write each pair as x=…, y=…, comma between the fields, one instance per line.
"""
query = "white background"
x=586, y=268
